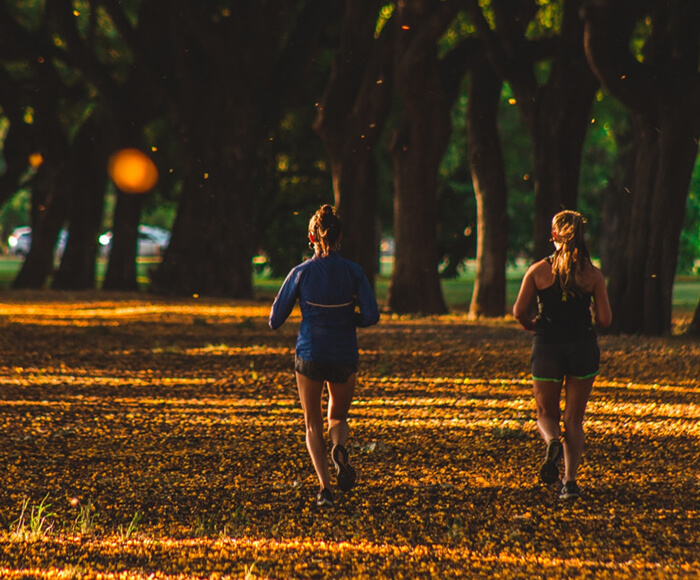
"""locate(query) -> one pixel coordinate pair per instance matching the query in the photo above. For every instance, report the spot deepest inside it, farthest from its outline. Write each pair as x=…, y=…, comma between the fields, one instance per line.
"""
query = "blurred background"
x=180, y=148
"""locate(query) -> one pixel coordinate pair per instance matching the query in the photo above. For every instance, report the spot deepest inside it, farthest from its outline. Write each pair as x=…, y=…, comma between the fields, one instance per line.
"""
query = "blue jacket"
x=328, y=288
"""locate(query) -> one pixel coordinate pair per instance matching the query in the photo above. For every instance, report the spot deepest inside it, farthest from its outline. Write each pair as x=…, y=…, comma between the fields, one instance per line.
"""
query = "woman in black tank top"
x=570, y=295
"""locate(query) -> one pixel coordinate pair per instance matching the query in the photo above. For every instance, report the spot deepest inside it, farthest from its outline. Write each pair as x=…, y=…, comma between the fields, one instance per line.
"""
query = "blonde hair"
x=325, y=227
x=571, y=257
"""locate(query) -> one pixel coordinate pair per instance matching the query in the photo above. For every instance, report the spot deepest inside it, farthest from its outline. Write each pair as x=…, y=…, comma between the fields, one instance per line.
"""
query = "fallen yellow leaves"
x=169, y=439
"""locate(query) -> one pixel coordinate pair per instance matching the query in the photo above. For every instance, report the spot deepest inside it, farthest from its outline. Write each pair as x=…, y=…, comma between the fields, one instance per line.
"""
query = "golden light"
x=132, y=171
x=36, y=159
x=29, y=115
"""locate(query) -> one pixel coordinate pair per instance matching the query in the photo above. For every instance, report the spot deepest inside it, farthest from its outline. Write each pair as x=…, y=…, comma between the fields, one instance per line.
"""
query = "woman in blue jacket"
x=329, y=288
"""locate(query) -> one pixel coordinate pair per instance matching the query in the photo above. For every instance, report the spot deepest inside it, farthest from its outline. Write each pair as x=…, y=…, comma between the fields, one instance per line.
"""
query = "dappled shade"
x=168, y=440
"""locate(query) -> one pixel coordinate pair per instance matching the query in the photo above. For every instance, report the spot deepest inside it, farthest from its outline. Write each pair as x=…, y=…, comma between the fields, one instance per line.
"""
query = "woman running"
x=329, y=288
x=568, y=289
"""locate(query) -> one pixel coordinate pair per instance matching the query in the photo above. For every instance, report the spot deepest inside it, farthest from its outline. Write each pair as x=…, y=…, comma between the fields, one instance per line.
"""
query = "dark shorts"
x=553, y=362
x=331, y=372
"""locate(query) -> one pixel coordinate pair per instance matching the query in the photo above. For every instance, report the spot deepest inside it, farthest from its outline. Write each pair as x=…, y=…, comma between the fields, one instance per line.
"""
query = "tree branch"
x=606, y=40
x=62, y=13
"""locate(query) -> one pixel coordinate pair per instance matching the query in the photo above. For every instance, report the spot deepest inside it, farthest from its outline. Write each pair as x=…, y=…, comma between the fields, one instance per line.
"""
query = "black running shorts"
x=553, y=362
x=331, y=372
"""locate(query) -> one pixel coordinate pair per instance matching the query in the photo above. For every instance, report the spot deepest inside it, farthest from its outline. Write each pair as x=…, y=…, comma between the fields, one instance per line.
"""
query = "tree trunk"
x=694, y=328
x=667, y=126
x=121, y=271
x=415, y=283
x=213, y=241
x=428, y=91
x=350, y=120
x=557, y=113
x=49, y=210
x=488, y=174
x=226, y=111
x=87, y=186
x=562, y=117
x=617, y=203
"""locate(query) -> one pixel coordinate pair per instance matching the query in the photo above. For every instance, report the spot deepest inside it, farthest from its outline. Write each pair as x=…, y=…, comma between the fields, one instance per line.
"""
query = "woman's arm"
x=526, y=296
x=369, y=311
x=602, y=313
x=285, y=300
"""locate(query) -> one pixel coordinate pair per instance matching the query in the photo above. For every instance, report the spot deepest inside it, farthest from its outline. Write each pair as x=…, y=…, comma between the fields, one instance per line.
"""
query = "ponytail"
x=325, y=227
x=572, y=256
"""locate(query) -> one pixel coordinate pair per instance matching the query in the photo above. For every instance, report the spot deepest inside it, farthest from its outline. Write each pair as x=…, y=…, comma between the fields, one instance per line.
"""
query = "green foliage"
x=385, y=13
x=460, y=28
x=689, y=252
x=298, y=178
x=301, y=182
x=130, y=530
x=13, y=214
x=547, y=20
x=456, y=201
x=600, y=164
x=86, y=518
x=34, y=523
x=517, y=155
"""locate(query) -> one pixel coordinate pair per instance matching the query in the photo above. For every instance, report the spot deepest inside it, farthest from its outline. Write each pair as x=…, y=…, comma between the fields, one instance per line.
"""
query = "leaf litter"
x=167, y=439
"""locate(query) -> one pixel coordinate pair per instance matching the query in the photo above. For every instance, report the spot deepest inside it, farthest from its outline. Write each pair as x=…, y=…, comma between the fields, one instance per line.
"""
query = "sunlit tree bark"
x=488, y=174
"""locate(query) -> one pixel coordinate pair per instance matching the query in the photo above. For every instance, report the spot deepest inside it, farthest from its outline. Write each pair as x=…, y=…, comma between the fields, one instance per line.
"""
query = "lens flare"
x=132, y=171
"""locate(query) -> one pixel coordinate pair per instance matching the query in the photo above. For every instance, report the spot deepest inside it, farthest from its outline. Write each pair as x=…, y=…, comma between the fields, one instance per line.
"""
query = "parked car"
x=20, y=242
x=152, y=241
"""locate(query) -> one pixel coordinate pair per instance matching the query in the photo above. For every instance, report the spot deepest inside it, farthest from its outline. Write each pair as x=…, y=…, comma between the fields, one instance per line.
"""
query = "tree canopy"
x=254, y=113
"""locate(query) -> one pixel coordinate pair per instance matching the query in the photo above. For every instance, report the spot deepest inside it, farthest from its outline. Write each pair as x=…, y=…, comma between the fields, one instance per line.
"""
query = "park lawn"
x=152, y=438
x=456, y=292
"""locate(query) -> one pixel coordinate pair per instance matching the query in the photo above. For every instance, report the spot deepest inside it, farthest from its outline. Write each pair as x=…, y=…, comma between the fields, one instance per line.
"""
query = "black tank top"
x=562, y=317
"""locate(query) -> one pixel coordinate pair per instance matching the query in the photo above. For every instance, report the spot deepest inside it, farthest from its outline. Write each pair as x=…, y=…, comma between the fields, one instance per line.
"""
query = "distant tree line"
x=255, y=112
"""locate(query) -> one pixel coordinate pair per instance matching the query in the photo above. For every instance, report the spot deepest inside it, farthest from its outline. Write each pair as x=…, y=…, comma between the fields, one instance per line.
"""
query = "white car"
x=152, y=241
x=20, y=242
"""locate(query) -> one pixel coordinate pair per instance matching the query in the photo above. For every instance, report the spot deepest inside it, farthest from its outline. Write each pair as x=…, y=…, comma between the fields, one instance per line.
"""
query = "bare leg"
x=547, y=395
x=578, y=391
x=339, y=399
x=310, y=394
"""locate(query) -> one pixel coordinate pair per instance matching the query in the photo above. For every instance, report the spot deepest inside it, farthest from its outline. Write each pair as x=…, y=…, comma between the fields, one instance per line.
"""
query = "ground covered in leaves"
x=146, y=438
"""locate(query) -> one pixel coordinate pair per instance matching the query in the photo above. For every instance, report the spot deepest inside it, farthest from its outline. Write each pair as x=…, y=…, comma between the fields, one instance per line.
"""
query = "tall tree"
x=662, y=93
x=74, y=98
x=225, y=73
x=34, y=84
x=86, y=183
x=488, y=174
x=427, y=86
x=556, y=112
x=351, y=117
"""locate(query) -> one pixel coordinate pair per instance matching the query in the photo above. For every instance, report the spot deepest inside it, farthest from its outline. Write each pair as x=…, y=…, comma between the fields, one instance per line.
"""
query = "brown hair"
x=325, y=226
x=572, y=256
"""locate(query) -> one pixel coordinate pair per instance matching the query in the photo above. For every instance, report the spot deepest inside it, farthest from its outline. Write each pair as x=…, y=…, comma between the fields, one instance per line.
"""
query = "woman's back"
x=564, y=316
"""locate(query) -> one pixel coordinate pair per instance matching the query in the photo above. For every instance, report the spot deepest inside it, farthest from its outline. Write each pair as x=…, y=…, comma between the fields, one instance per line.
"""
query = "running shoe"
x=345, y=472
x=570, y=490
x=549, y=472
x=325, y=498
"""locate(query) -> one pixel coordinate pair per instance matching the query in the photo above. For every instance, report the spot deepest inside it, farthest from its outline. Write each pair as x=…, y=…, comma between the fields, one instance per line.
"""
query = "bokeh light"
x=132, y=171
